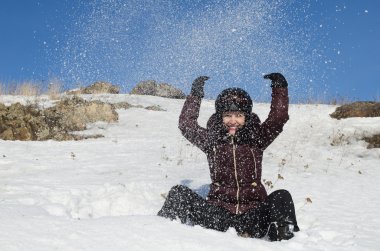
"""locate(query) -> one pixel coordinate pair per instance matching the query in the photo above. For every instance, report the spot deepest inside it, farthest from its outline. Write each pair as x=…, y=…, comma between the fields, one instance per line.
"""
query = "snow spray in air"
x=233, y=42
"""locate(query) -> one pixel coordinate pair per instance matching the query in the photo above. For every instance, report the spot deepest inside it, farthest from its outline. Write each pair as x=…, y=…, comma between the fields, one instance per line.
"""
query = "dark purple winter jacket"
x=235, y=161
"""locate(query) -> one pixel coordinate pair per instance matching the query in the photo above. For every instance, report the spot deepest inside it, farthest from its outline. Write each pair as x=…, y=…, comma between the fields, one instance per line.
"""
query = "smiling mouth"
x=232, y=129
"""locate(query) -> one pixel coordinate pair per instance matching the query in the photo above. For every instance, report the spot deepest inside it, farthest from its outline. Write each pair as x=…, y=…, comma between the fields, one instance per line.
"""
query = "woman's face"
x=233, y=121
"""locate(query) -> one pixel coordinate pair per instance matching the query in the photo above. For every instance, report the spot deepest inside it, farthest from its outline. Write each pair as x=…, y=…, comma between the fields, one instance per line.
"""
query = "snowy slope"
x=103, y=194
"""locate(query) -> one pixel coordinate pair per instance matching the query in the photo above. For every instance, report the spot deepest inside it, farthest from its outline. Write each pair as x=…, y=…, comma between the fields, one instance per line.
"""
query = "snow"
x=103, y=194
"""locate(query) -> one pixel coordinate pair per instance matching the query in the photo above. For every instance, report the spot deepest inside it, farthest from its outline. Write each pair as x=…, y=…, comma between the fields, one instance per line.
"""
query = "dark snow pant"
x=277, y=208
x=190, y=208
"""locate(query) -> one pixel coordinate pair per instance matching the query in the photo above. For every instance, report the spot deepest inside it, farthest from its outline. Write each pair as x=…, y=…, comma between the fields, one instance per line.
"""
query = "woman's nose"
x=233, y=120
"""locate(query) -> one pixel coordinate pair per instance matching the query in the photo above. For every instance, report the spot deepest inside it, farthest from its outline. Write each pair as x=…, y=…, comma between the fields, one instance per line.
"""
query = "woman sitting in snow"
x=234, y=141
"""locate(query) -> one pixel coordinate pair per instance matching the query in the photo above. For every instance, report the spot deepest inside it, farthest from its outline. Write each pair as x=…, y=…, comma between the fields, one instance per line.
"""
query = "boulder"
x=73, y=114
x=19, y=122
x=124, y=105
x=155, y=108
x=150, y=87
x=357, y=109
x=97, y=88
x=168, y=91
x=373, y=141
x=145, y=88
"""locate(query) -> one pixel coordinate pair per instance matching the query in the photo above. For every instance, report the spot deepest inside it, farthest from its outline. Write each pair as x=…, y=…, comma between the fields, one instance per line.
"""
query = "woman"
x=234, y=141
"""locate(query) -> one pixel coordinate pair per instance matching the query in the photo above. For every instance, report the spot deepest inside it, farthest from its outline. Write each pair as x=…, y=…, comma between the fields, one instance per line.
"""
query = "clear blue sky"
x=326, y=49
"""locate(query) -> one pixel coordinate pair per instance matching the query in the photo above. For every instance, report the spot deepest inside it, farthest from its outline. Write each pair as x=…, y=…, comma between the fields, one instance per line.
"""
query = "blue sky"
x=326, y=49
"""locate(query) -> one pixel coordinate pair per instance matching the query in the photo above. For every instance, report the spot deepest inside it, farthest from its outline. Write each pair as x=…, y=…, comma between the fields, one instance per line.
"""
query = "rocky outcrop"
x=373, y=141
x=145, y=88
x=155, y=108
x=150, y=87
x=73, y=114
x=19, y=122
x=97, y=88
x=357, y=109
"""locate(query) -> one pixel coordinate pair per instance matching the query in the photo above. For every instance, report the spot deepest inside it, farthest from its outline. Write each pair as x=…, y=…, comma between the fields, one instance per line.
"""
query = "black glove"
x=197, y=87
x=278, y=80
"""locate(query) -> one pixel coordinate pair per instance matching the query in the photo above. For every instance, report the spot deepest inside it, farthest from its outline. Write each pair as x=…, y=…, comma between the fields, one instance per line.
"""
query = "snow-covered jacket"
x=235, y=161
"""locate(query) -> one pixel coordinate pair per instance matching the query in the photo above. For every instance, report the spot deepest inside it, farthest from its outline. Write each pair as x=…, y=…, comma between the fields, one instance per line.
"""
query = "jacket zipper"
x=236, y=176
x=254, y=161
x=214, y=167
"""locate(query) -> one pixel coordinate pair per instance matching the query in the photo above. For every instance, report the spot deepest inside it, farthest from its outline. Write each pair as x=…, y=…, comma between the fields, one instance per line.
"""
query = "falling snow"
x=234, y=43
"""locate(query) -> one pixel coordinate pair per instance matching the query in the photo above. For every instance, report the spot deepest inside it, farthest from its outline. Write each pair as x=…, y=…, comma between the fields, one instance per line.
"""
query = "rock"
x=145, y=88
x=97, y=88
x=373, y=141
x=150, y=87
x=101, y=87
x=18, y=122
x=7, y=134
x=357, y=109
x=123, y=105
x=154, y=108
x=23, y=133
x=168, y=91
x=73, y=114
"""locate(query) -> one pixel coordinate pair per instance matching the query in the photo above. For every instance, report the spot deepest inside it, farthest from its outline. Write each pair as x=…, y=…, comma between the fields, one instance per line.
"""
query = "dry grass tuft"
x=2, y=89
x=28, y=89
x=54, y=89
x=23, y=89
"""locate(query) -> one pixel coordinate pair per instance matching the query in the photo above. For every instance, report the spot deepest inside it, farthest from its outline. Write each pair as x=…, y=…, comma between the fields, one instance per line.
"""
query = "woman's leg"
x=177, y=203
x=253, y=223
x=281, y=208
x=281, y=216
x=275, y=213
x=189, y=207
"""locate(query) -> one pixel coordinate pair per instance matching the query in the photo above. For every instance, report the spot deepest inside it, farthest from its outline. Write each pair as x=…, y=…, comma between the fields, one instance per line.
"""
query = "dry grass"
x=340, y=101
x=29, y=88
x=20, y=89
x=337, y=100
x=2, y=88
x=54, y=89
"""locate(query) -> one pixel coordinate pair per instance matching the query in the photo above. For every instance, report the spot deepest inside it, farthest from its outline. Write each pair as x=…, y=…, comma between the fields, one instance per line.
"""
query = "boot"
x=280, y=231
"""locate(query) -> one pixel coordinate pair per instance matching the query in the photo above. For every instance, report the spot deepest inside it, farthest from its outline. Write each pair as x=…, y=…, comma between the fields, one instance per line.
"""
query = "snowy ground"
x=103, y=194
